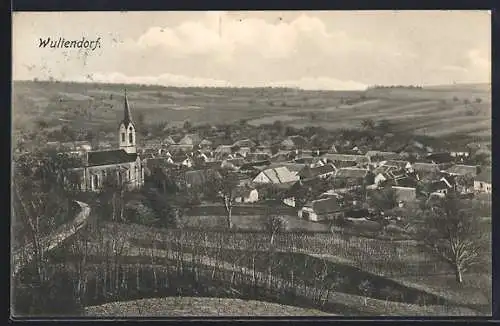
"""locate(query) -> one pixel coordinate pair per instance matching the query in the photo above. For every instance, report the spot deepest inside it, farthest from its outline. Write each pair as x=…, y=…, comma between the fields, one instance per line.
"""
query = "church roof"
x=127, y=116
x=111, y=157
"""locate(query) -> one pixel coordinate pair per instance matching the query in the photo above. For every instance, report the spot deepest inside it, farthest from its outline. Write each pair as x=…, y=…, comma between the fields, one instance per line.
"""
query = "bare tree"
x=274, y=225
x=224, y=187
x=452, y=232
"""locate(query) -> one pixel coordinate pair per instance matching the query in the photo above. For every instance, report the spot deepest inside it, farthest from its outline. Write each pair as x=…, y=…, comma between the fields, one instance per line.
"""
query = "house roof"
x=397, y=163
x=168, y=141
x=484, y=175
x=279, y=175
x=190, y=139
x=327, y=205
x=110, y=157
x=425, y=167
x=224, y=149
x=205, y=142
x=317, y=171
x=346, y=157
x=405, y=193
x=382, y=155
x=257, y=156
x=344, y=164
x=438, y=185
x=406, y=181
x=351, y=173
x=245, y=143
x=440, y=158
x=255, y=164
x=460, y=169
x=292, y=167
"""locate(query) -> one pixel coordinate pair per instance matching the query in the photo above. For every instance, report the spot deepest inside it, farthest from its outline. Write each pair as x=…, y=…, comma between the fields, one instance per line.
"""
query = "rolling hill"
x=437, y=110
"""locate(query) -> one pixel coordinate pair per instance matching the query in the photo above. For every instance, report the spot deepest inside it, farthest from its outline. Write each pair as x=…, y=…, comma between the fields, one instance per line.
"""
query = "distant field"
x=197, y=307
x=434, y=111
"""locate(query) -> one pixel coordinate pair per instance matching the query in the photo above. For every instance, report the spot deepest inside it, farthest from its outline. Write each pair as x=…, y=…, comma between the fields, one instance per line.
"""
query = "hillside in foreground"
x=197, y=307
x=436, y=111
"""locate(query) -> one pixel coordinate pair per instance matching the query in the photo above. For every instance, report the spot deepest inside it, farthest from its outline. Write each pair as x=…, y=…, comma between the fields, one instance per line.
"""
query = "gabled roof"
x=382, y=155
x=398, y=163
x=224, y=149
x=168, y=141
x=279, y=175
x=317, y=171
x=245, y=143
x=325, y=206
x=405, y=193
x=460, y=169
x=257, y=156
x=484, y=175
x=438, y=185
x=351, y=173
x=425, y=167
x=190, y=139
x=440, y=158
x=110, y=157
x=360, y=159
x=205, y=142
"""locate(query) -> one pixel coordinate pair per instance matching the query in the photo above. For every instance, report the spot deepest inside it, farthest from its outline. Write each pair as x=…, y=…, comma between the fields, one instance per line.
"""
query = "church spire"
x=127, y=116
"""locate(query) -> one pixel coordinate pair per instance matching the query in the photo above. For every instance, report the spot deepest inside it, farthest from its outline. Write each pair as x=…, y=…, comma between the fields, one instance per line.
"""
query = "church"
x=122, y=166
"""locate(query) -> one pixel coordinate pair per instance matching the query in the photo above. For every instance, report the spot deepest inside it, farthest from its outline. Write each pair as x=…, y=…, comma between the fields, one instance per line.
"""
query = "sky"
x=331, y=50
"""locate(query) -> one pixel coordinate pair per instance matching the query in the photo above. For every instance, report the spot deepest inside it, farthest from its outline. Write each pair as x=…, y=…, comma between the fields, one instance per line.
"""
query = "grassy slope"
x=189, y=306
x=414, y=110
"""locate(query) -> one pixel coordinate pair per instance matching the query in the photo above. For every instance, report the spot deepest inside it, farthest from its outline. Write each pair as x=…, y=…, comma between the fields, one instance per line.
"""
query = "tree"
x=385, y=125
x=368, y=124
x=275, y=224
x=478, y=100
x=224, y=186
x=187, y=125
x=453, y=233
x=384, y=199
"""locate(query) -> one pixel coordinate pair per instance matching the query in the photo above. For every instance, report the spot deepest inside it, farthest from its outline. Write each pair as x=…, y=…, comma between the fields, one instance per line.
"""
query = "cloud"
x=222, y=36
x=323, y=83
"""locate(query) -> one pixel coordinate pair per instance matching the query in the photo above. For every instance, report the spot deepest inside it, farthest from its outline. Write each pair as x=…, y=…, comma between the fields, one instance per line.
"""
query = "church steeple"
x=127, y=116
x=126, y=133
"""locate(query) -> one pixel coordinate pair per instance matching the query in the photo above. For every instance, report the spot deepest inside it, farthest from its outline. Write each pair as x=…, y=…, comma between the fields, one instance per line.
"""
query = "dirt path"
x=24, y=255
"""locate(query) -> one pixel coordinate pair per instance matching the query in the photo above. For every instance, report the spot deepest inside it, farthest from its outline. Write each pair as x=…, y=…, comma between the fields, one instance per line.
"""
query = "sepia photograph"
x=251, y=163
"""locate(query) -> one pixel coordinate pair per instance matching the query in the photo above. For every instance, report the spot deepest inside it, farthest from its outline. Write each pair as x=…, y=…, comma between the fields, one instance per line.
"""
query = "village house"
x=360, y=160
x=460, y=169
x=190, y=139
x=205, y=144
x=245, y=143
x=223, y=152
x=350, y=177
x=321, y=210
x=257, y=157
x=122, y=165
x=424, y=169
x=167, y=141
x=405, y=195
x=379, y=156
x=321, y=172
x=246, y=195
x=482, y=181
x=180, y=148
x=386, y=173
x=182, y=160
x=275, y=176
x=404, y=165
